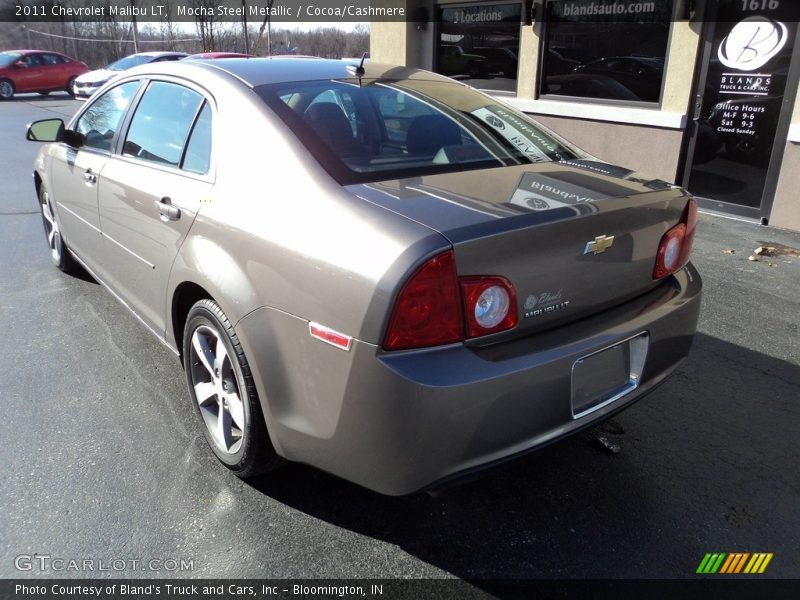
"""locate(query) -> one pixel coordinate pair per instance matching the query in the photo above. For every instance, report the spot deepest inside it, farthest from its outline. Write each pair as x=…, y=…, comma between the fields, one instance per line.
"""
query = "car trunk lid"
x=573, y=237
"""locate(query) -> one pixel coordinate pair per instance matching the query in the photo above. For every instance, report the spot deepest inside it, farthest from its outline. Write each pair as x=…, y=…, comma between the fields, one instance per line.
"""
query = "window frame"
x=122, y=122
x=205, y=103
x=437, y=40
x=540, y=69
x=207, y=98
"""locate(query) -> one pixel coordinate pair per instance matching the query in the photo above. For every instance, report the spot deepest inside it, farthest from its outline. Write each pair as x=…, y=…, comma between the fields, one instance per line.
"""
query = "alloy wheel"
x=217, y=390
x=6, y=90
x=51, y=229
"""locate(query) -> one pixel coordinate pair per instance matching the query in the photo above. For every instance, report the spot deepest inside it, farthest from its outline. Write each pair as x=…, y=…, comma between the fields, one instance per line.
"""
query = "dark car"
x=641, y=75
x=454, y=60
x=587, y=85
x=39, y=71
x=558, y=64
x=499, y=61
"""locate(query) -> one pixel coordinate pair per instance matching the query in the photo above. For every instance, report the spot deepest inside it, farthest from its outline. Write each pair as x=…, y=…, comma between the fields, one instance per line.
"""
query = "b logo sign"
x=752, y=43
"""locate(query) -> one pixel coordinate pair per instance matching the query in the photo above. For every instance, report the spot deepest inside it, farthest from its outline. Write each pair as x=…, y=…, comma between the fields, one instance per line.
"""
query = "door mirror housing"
x=46, y=130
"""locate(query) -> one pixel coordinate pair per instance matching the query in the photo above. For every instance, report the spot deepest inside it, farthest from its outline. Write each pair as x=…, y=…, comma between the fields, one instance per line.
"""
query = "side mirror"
x=47, y=130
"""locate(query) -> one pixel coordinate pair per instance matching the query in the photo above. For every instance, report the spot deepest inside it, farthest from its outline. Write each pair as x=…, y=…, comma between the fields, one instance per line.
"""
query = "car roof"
x=152, y=54
x=261, y=71
x=157, y=53
x=23, y=52
x=220, y=55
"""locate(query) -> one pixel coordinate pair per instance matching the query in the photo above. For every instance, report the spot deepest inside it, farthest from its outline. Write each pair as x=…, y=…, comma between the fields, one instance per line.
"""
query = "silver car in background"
x=371, y=269
x=88, y=83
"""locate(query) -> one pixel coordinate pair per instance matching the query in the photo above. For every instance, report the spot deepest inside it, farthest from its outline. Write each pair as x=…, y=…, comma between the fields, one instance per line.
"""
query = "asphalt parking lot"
x=101, y=456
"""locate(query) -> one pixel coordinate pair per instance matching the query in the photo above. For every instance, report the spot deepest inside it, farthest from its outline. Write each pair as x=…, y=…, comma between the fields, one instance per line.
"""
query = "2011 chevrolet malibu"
x=371, y=269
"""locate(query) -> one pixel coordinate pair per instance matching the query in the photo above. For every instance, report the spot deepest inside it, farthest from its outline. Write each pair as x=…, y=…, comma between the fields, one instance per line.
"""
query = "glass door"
x=743, y=105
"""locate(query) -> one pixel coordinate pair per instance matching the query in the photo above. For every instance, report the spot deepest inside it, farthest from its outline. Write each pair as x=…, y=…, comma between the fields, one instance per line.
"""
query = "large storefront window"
x=607, y=49
x=479, y=44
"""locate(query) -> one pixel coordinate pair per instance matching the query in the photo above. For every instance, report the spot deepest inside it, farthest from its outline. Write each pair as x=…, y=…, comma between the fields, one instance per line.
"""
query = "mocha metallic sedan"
x=374, y=270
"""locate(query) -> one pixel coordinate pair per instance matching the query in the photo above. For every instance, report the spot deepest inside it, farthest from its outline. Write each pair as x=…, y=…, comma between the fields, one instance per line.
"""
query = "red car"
x=37, y=71
x=213, y=55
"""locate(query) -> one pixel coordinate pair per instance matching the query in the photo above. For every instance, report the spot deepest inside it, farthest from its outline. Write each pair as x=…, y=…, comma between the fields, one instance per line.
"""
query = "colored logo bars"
x=736, y=562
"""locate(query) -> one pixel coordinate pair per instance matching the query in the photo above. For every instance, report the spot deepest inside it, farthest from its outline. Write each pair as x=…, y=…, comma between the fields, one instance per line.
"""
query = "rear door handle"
x=167, y=211
x=89, y=177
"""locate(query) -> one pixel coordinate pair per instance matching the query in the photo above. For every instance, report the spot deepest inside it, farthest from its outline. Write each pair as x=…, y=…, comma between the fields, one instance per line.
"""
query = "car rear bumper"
x=398, y=422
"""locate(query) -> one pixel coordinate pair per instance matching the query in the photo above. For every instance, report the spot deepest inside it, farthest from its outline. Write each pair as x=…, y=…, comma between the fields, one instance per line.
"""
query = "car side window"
x=198, y=151
x=160, y=126
x=100, y=122
x=32, y=60
x=50, y=59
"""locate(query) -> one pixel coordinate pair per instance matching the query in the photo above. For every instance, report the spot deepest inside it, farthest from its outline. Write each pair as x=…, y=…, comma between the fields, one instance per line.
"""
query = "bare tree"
x=205, y=23
x=357, y=41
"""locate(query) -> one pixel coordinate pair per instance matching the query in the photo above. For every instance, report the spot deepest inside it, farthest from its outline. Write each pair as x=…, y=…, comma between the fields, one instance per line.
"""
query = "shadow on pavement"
x=706, y=465
x=50, y=97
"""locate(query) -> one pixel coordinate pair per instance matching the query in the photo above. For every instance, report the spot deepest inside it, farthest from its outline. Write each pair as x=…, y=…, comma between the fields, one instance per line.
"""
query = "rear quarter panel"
x=277, y=231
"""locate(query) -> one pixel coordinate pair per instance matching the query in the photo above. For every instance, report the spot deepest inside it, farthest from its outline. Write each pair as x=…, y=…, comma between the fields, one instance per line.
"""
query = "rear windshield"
x=385, y=129
x=123, y=64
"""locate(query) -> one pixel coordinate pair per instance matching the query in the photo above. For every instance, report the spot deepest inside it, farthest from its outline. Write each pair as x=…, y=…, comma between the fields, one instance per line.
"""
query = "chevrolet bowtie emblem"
x=599, y=244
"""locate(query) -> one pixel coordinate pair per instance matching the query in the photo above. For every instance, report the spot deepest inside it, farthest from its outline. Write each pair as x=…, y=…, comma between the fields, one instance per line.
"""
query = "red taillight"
x=427, y=311
x=490, y=305
x=676, y=244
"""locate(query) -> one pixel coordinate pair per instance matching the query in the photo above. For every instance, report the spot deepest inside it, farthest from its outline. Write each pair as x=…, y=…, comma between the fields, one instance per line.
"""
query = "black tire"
x=7, y=90
x=59, y=251
x=475, y=70
x=248, y=452
x=70, y=89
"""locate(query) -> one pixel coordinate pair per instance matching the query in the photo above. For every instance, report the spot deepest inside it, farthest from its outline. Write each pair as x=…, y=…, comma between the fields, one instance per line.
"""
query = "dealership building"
x=699, y=93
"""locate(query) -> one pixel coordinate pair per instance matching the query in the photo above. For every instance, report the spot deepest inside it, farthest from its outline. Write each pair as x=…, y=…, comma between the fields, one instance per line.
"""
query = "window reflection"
x=161, y=124
x=479, y=44
x=606, y=49
x=99, y=123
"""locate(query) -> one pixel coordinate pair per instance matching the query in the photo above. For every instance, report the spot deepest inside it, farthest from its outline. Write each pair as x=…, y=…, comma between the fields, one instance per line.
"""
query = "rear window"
x=386, y=129
x=123, y=64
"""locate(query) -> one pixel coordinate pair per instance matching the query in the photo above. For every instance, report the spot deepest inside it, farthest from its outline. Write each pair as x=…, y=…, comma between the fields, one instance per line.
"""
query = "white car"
x=88, y=83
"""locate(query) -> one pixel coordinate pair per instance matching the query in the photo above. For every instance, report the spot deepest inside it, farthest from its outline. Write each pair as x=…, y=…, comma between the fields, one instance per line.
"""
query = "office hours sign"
x=747, y=77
